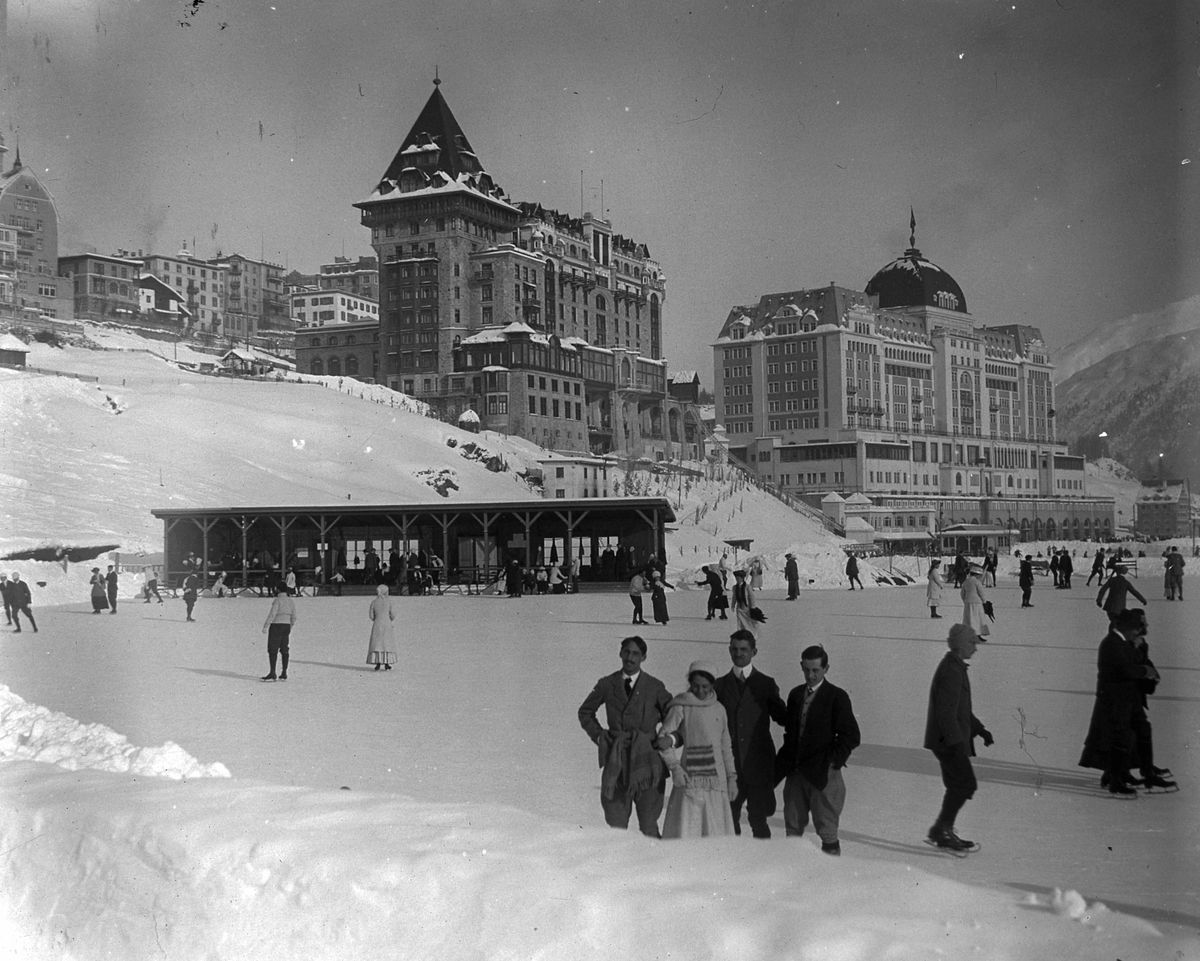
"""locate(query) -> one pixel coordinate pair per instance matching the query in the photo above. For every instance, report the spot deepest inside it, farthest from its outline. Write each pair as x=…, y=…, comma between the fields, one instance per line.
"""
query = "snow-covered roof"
x=440, y=186
x=858, y=497
x=10, y=342
x=833, y=497
x=857, y=524
x=489, y=335
x=468, y=417
x=684, y=377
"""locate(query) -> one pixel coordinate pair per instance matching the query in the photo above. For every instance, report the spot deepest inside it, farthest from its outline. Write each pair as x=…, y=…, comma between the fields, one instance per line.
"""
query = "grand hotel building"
x=545, y=325
x=896, y=393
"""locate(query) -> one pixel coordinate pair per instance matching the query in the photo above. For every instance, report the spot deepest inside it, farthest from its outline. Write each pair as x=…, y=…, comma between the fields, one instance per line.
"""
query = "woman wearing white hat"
x=974, y=604
x=694, y=743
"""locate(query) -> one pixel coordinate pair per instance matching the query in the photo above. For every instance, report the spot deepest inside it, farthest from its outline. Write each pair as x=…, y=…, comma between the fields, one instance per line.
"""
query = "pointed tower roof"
x=436, y=132
x=436, y=156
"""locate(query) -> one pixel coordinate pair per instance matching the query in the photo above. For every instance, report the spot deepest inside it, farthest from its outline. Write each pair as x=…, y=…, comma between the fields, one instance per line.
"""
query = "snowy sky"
x=755, y=147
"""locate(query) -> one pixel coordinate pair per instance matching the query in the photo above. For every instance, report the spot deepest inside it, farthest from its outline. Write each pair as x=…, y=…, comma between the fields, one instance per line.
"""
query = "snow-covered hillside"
x=85, y=461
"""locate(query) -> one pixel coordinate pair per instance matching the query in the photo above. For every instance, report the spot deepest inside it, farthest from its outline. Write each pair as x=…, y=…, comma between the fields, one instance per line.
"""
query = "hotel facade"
x=545, y=325
x=895, y=392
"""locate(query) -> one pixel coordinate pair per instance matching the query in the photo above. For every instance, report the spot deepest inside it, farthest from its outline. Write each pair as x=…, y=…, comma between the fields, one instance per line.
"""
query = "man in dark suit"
x=819, y=734
x=752, y=702
x=634, y=776
x=950, y=731
x=110, y=582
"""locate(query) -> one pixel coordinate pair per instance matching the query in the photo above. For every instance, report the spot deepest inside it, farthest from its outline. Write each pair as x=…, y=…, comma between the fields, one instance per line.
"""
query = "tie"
x=628, y=687
x=737, y=673
x=808, y=696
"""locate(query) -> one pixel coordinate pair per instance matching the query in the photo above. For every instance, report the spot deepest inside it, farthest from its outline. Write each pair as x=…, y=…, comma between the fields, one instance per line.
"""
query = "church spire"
x=912, y=228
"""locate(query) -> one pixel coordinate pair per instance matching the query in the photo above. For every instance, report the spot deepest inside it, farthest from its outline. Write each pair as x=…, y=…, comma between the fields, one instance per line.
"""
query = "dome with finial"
x=912, y=281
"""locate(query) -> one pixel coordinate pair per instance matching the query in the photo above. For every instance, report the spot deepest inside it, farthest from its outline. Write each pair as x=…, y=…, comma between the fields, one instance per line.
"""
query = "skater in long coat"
x=743, y=603
x=658, y=598
x=1119, y=671
x=99, y=591
x=381, y=651
x=717, y=602
x=933, y=590
x=756, y=574
x=973, y=601
x=694, y=743
x=791, y=573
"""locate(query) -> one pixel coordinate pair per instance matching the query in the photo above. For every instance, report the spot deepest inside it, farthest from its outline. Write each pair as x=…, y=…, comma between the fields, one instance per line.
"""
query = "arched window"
x=317, y=367
x=352, y=364
x=958, y=478
x=335, y=367
x=601, y=303
x=332, y=341
x=1010, y=480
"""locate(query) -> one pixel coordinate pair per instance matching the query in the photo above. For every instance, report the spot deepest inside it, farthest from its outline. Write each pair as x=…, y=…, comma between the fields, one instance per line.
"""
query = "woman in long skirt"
x=933, y=590
x=694, y=742
x=99, y=595
x=744, y=606
x=658, y=598
x=382, y=650
x=972, y=595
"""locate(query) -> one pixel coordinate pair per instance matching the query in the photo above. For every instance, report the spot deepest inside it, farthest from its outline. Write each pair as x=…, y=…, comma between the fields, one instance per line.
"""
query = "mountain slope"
x=1147, y=398
x=1111, y=338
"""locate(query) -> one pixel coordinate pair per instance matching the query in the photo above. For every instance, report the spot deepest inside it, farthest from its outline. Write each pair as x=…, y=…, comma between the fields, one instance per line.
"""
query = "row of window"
x=790, y=347
x=567, y=386
x=549, y=407
x=793, y=423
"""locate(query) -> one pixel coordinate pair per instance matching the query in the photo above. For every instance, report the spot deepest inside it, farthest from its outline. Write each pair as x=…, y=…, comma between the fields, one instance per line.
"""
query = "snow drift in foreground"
x=34, y=733
x=213, y=869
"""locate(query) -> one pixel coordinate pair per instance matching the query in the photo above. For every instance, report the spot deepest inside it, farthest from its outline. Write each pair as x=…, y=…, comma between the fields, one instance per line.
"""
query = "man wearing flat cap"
x=950, y=732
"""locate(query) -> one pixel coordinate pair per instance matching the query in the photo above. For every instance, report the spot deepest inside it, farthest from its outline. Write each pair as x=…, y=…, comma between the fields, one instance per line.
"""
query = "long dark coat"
x=1119, y=675
x=751, y=706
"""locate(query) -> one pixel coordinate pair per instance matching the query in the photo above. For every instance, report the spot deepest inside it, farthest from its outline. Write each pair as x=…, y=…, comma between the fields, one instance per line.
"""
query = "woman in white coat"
x=695, y=744
x=973, y=600
x=382, y=649
x=933, y=590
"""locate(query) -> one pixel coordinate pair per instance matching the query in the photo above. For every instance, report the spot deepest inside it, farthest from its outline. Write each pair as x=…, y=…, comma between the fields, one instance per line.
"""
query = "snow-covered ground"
x=160, y=801
x=450, y=808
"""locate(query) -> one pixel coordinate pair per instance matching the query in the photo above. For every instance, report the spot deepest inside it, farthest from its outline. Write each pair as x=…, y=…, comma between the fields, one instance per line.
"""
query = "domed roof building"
x=912, y=281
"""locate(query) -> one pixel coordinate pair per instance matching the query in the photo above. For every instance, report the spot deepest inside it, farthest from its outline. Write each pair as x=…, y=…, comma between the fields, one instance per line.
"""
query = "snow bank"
x=34, y=733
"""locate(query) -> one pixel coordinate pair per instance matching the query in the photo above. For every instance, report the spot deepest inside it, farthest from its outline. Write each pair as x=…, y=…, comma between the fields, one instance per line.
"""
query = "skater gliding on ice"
x=950, y=731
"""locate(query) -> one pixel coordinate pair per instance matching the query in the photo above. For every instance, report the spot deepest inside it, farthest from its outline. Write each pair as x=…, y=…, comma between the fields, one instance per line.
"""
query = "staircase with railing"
x=799, y=506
